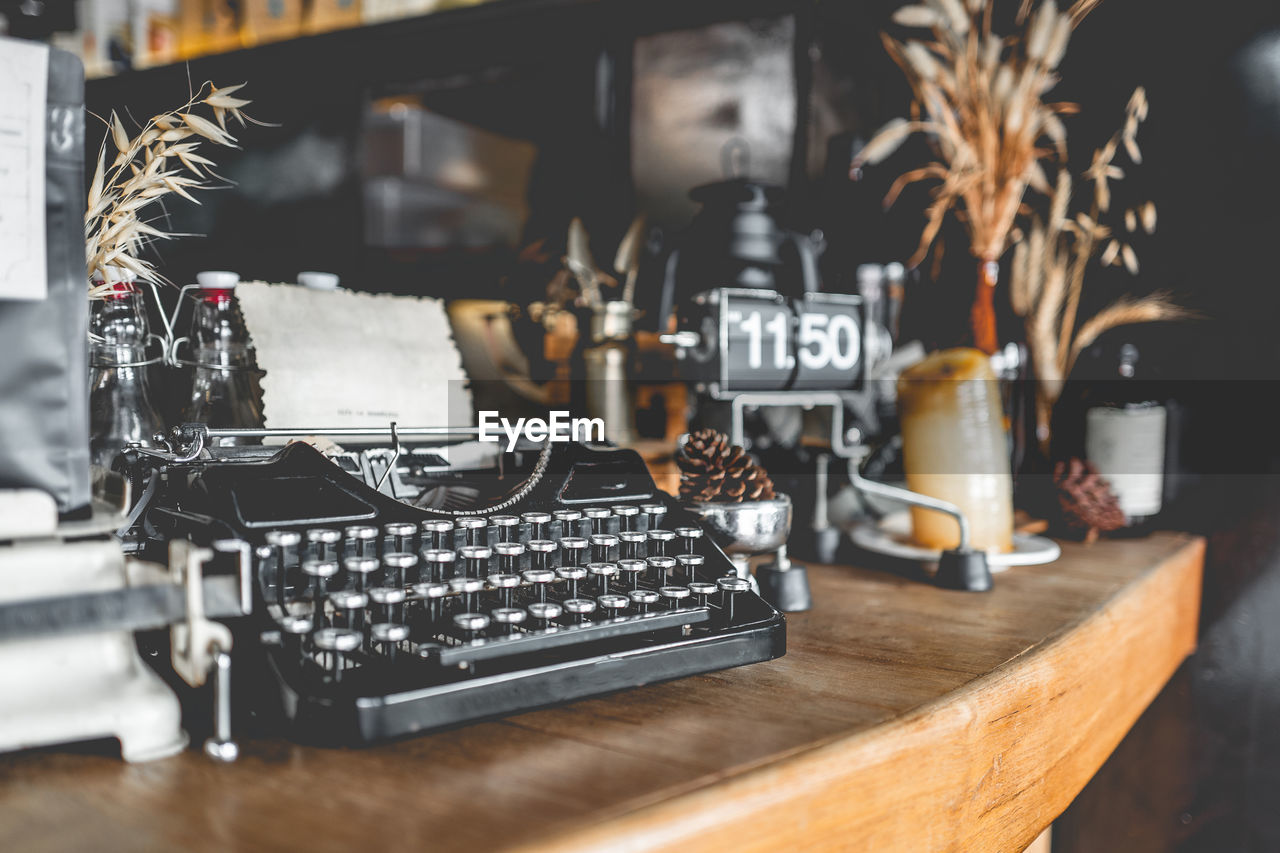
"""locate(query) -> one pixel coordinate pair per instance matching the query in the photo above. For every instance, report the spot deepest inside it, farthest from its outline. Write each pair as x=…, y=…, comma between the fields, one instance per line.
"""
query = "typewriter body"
x=406, y=588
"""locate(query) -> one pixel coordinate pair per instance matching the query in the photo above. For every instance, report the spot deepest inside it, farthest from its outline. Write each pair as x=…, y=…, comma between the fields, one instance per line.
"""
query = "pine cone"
x=1086, y=499
x=712, y=469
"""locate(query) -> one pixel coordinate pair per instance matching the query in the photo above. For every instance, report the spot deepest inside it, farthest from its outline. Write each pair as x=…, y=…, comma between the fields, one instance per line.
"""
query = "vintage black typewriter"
x=406, y=588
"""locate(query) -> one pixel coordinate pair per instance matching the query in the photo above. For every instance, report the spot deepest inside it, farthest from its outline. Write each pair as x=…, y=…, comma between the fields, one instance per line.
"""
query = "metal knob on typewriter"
x=545, y=612
x=540, y=551
x=730, y=589
x=389, y=598
x=469, y=589
x=439, y=534
x=323, y=543
x=508, y=556
x=659, y=540
x=613, y=604
x=602, y=545
x=439, y=564
x=654, y=513
x=293, y=635
x=389, y=635
x=661, y=567
x=630, y=572
x=509, y=618
x=702, y=592
x=574, y=547
x=601, y=572
x=336, y=642
x=473, y=528
x=432, y=594
x=690, y=563
x=674, y=595
x=581, y=608
x=541, y=579
x=537, y=522
x=568, y=519
x=469, y=625
x=631, y=544
x=319, y=571
x=402, y=534
x=283, y=545
x=396, y=566
x=506, y=527
x=643, y=599
x=626, y=514
x=351, y=605
x=359, y=569
x=506, y=584
x=475, y=560
x=361, y=540
x=571, y=575
x=689, y=537
x=599, y=517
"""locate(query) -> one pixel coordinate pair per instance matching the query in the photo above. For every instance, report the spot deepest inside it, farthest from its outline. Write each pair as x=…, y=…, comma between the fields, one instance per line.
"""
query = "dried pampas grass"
x=162, y=160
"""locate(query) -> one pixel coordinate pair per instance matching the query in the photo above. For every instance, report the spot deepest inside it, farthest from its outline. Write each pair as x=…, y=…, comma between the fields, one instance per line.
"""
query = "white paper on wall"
x=339, y=358
x=24, y=79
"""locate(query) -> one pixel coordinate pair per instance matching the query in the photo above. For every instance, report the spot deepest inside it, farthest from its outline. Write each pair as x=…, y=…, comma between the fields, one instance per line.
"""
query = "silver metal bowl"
x=750, y=527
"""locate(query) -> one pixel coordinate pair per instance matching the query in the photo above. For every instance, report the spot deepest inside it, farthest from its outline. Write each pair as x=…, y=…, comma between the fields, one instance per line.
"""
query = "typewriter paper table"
x=902, y=718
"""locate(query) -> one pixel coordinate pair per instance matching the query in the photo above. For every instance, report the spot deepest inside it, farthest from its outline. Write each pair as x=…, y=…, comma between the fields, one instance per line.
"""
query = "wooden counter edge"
x=986, y=767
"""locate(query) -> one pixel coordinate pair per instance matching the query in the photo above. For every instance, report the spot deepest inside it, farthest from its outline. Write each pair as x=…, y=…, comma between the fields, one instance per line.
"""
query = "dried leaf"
x=886, y=141
x=207, y=129
x=916, y=16
x=1130, y=259
x=1148, y=213
x=1130, y=221
x=1110, y=253
x=118, y=135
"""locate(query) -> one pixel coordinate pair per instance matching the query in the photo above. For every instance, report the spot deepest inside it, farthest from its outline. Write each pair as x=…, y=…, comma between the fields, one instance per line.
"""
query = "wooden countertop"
x=902, y=718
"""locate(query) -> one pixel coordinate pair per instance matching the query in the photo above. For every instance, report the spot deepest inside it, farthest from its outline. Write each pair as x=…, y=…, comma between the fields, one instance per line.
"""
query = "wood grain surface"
x=902, y=718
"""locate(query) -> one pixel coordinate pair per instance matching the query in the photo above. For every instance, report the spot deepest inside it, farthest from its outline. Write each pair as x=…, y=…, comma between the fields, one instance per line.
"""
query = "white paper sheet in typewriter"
x=341, y=358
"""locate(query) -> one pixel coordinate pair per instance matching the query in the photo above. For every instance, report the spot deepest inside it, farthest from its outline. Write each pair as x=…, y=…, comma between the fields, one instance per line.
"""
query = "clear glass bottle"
x=224, y=386
x=1125, y=438
x=120, y=408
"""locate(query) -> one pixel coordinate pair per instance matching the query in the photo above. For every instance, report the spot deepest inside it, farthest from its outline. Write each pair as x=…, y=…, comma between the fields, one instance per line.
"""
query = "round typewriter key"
x=396, y=566
x=389, y=598
x=319, y=571
x=469, y=589
x=361, y=540
x=322, y=540
x=439, y=532
x=475, y=559
x=469, y=625
x=658, y=541
x=540, y=551
x=631, y=540
x=281, y=543
x=702, y=592
x=294, y=631
x=626, y=514
x=571, y=575
x=509, y=618
x=612, y=604
x=506, y=585
x=580, y=608
x=601, y=546
x=351, y=605
x=602, y=572
x=674, y=595
x=359, y=569
x=389, y=635
x=474, y=526
x=599, y=517
x=439, y=564
x=573, y=547
x=283, y=538
x=690, y=563
x=508, y=556
x=506, y=527
x=568, y=519
x=661, y=567
x=689, y=537
x=432, y=595
x=653, y=513
x=541, y=579
x=630, y=572
x=545, y=612
x=336, y=642
x=402, y=534
x=643, y=599
x=537, y=522
x=731, y=588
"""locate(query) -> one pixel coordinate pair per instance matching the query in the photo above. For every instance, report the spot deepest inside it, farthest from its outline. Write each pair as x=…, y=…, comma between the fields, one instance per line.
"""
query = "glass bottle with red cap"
x=224, y=388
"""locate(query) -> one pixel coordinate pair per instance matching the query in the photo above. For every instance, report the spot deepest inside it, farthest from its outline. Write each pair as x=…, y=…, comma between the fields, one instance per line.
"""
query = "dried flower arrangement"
x=161, y=160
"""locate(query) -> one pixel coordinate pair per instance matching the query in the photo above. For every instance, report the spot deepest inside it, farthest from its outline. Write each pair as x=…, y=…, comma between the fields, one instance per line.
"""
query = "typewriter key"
x=432, y=594
x=540, y=551
x=643, y=599
x=350, y=605
x=689, y=537
x=571, y=575
x=475, y=529
x=402, y=534
x=320, y=571
x=599, y=517
x=730, y=588
x=475, y=560
x=689, y=564
x=674, y=595
x=661, y=567
x=389, y=598
x=631, y=540
x=396, y=566
x=508, y=556
x=545, y=612
x=509, y=618
x=573, y=547
x=359, y=569
x=601, y=546
x=469, y=589
x=626, y=514
x=580, y=608
x=568, y=519
x=541, y=580
x=653, y=513
x=294, y=631
x=281, y=543
x=658, y=541
x=361, y=540
x=336, y=642
x=469, y=625
x=389, y=635
x=439, y=533
x=537, y=522
x=439, y=564
x=602, y=572
x=613, y=605
x=506, y=585
x=703, y=592
x=630, y=572
x=322, y=541
x=505, y=526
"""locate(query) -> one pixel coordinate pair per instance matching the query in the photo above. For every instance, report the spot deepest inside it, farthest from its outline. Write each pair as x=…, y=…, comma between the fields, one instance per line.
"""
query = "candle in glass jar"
x=955, y=449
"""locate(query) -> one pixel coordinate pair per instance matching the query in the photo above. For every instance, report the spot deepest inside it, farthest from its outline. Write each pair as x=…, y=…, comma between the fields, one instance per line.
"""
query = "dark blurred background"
x=428, y=156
